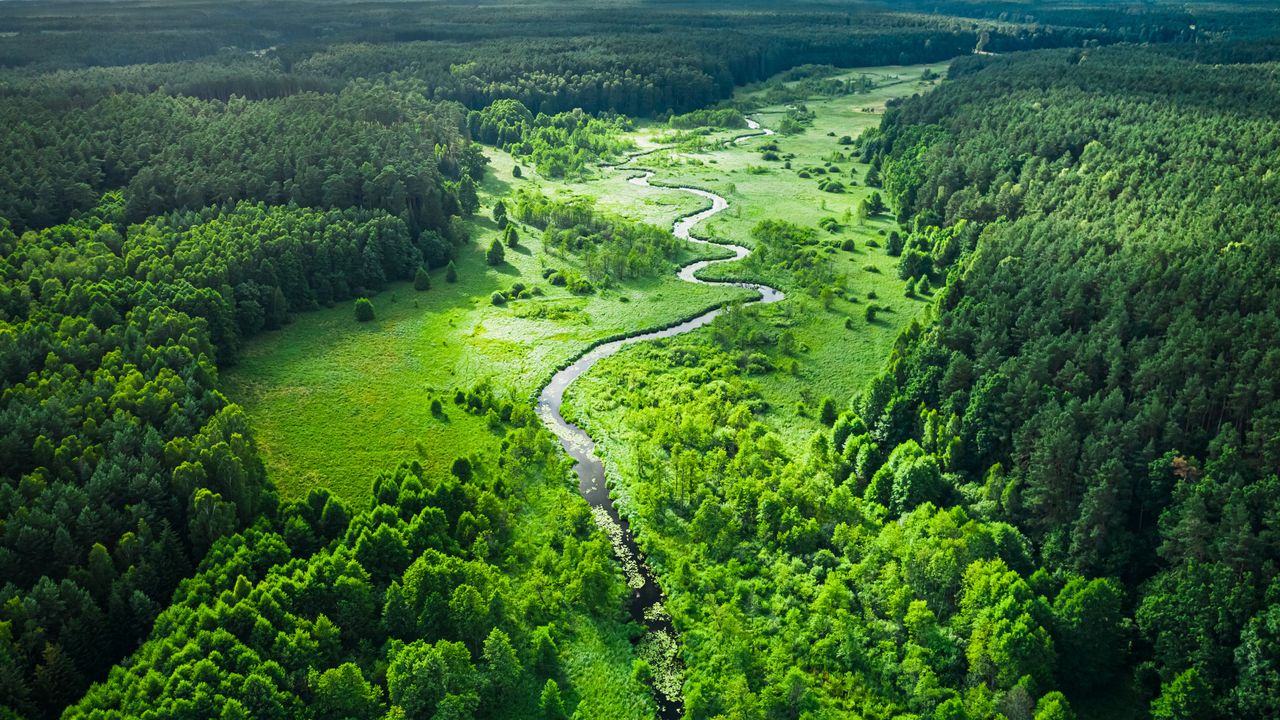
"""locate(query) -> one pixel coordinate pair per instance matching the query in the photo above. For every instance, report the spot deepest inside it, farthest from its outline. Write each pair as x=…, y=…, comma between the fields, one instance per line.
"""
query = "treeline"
x=567, y=144
x=610, y=247
x=123, y=461
x=429, y=603
x=721, y=118
x=1103, y=372
x=369, y=147
x=695, y=66
x=550, y=59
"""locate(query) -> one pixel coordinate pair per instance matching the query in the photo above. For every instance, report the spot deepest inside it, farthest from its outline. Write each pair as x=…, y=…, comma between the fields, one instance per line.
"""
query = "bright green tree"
x=343, y=692
x=551, y=703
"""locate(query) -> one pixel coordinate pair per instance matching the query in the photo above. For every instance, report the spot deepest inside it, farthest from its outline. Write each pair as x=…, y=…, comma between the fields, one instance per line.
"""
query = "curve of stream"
x=646, y=601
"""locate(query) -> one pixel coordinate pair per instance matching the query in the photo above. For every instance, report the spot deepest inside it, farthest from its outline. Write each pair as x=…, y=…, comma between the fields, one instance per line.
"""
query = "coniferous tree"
x=496, y=255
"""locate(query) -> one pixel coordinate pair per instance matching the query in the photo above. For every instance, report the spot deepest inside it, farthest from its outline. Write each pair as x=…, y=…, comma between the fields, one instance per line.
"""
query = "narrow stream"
x=646, y=603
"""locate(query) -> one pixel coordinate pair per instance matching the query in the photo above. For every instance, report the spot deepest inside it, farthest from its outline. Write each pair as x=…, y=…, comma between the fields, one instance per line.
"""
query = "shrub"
x=516, y=172
x=497, y=298
x=451, y=272
x=848, y=245
x=436, y=407
x=364, y=310
x=421, y=280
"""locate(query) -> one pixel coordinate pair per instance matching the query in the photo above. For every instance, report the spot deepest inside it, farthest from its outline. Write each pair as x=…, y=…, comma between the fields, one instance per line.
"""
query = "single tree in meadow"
x=496, y=255
x=511, y=237
x=421, y=280
x=451, y=272
x=500, y=214
x=364, y=310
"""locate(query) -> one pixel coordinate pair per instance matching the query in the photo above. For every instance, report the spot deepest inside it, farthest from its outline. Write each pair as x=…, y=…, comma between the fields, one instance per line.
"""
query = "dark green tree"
x=496, y=255
x=364, y=310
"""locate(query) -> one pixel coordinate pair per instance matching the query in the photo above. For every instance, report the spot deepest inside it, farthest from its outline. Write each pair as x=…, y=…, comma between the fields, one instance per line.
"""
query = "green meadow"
x=759, y=189
x=332, y=400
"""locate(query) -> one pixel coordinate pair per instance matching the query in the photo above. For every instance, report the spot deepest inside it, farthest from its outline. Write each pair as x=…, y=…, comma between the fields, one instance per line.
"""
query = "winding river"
x=646, y=602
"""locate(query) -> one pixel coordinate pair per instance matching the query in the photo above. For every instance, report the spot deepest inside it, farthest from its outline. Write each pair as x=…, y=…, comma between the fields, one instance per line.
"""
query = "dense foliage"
x=793, y=594
x=368, y=147
x=567, y=144
x=432, y=602
x=123, y=462
x=1104, y=371
x=611, y=248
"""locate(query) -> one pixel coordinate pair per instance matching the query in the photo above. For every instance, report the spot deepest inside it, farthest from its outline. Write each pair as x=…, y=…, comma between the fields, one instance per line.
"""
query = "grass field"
x=332, y=400
x=838, y=360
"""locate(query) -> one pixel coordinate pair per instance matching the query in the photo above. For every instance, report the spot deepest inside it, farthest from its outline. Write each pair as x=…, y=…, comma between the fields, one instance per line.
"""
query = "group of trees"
x=611, y=248
x=552, y=59
x=1103, y=373
x=800, y=588
x=425, y=604
x=369, y=147
x=567, y=144
x=123, y=461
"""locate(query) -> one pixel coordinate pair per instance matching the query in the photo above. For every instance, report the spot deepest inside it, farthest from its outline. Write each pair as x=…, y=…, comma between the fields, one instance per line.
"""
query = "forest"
x=1006, y=446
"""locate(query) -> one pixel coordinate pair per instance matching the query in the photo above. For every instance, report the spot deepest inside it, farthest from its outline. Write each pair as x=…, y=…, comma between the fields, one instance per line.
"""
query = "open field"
x=332, y=400
x=837, y=359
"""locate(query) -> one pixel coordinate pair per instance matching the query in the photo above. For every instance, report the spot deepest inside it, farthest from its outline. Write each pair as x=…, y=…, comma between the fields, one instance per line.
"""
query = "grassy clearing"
x=333, y=400
x=843, y=350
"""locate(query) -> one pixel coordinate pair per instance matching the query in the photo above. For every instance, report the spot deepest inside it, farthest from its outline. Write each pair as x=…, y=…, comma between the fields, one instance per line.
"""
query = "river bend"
x=646, y=602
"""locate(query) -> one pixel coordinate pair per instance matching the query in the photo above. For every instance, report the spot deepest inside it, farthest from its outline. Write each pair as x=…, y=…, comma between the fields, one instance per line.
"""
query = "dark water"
x=646, y=602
